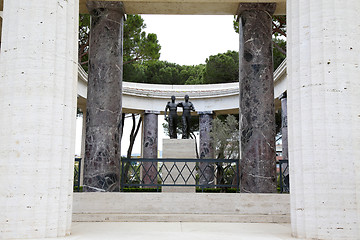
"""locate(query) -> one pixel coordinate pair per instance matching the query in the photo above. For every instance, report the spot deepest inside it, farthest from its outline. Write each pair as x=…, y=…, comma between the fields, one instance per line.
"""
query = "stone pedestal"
x=38, y=78
x=179, y=148
x=257, y=111
x=324, y=118
x=103, y=116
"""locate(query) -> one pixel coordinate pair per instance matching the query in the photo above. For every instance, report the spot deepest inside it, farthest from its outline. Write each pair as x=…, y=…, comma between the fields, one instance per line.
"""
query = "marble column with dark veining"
x=150, y=146
x=104, y=107
x=206, y=172
x=284, y=128
x=284, y=138
x=257, y=117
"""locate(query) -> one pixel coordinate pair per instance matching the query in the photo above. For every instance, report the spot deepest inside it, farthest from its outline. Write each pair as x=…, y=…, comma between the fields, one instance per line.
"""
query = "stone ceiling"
x=186, y=7
x=190, y=7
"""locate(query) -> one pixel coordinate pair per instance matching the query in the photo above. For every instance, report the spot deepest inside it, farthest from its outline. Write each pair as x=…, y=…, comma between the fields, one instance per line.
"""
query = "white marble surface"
x=38, y=77
x=324, y=118
x=189, y=207
x=179, y=230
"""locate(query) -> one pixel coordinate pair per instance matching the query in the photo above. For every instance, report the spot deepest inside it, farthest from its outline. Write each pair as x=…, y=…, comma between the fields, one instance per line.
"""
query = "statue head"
x=173, y=98
x=186, y=98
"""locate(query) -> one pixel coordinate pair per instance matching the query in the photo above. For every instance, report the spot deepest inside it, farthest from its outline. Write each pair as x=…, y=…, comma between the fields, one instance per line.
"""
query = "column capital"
x=205, y=112
x=109, y=5
x=267, y=7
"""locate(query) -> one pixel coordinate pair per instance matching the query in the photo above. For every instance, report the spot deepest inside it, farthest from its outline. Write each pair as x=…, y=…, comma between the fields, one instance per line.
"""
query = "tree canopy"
x=138, y=46
x=142, y=52
x=162, y=72
x=222, y=68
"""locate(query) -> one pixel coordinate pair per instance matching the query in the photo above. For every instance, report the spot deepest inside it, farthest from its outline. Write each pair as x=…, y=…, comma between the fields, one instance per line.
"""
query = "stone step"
x=118, y=217
x=187, y=207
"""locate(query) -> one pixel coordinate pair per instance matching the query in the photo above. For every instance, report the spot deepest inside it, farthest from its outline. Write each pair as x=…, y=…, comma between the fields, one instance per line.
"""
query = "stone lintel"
x=109, y=5
x=152, y=111
x=267, y=7
x=205, y=112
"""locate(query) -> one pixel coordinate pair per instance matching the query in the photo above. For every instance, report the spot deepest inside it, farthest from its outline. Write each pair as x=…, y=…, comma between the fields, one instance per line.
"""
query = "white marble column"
x=38, y=79
x=324, y=118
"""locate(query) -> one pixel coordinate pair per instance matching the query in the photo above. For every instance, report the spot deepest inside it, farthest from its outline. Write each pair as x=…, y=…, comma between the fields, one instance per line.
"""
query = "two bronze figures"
x=187, y=107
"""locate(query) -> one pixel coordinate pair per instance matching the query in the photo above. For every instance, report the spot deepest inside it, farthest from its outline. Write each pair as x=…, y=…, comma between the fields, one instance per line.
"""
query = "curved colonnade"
x=219, y=98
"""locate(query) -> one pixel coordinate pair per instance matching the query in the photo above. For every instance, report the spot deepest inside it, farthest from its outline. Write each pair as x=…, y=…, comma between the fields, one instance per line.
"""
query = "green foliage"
x=78, y=189
x=278, y=55
x=137, y=44
x=193, y=74
x=134, y=72
x=225, y=135
x=222, y=68
x=162, y=72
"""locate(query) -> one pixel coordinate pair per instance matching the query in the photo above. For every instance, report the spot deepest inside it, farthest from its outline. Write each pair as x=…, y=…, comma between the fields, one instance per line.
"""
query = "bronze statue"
x=187, y=107
x=172, y=118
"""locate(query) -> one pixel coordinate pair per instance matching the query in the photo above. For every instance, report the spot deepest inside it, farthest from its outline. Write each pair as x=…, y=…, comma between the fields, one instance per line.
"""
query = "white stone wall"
x=324, y=118
x=38, y=79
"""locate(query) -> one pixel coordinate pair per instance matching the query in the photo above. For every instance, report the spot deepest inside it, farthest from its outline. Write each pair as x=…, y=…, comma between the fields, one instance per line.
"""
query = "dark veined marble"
x=257, y=117
x=206, y=149
x=150, y=146
x=284, y=127
x=104, y=106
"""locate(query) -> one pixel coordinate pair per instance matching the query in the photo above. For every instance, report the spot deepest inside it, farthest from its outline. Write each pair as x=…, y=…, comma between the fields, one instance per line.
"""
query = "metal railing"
x=202, y=173
x=77, y=169
x=284, y=176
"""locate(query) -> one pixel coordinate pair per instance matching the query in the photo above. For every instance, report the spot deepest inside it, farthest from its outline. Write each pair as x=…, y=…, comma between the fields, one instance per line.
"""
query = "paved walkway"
x=179, y=230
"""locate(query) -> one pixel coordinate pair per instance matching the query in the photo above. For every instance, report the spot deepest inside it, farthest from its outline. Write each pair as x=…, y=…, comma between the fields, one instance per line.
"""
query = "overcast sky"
x=185, y=40
x=190, y=39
